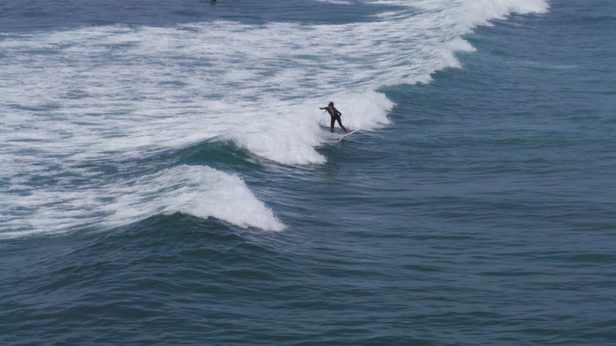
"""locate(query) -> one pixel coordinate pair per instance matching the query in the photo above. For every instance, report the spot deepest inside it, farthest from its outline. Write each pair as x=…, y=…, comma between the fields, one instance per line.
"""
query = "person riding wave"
x=335, y=115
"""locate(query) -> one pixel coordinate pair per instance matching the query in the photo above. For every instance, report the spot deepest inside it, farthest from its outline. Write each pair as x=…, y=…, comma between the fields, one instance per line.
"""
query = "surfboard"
x=348, y=134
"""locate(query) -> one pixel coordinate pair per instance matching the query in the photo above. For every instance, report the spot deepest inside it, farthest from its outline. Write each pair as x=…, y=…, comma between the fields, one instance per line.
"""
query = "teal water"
x=477, y=206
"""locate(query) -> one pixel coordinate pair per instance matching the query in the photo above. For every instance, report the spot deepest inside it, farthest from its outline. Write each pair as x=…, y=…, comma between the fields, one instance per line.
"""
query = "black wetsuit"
x=335, y=115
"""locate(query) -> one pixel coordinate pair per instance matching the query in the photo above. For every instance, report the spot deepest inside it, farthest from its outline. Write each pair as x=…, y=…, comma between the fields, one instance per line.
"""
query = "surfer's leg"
x=340, y=123
x=332, y=124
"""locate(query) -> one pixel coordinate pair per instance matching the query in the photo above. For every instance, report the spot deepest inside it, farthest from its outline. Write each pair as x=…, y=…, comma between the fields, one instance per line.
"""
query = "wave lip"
x=196, y=190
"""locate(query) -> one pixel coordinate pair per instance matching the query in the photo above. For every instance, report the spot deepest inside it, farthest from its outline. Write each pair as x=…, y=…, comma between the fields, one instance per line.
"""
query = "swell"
x=96, y=275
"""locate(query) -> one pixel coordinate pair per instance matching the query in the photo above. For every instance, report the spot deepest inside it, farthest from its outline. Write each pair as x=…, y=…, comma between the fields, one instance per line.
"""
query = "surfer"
x=335, y=115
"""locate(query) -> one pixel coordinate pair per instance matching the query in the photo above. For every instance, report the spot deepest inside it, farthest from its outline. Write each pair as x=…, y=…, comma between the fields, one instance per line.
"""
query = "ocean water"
x=167, y=177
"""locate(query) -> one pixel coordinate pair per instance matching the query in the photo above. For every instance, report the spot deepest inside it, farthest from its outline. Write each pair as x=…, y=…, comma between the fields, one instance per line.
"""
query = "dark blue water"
x=483, y=214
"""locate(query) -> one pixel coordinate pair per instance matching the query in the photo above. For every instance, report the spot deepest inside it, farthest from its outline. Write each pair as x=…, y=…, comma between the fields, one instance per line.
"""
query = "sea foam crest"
x=196, y=190
x=200, y=191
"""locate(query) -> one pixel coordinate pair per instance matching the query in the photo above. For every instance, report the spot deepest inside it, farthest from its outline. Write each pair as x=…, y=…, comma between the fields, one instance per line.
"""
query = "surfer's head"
x=331, y=104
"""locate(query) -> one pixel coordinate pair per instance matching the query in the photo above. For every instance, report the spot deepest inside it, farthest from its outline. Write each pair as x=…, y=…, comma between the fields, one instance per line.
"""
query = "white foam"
x=230, y=75
x=200, y=191
x=119, y=92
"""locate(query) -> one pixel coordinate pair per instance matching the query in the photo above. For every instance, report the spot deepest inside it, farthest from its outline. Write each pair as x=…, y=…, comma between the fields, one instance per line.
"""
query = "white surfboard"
x=348, y=134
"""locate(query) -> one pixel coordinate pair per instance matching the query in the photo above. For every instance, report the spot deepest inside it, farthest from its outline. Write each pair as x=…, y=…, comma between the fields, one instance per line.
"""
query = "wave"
x=119, y=92
x=196, y=190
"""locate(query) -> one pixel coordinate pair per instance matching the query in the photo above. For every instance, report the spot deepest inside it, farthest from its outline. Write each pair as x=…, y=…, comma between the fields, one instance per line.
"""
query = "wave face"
x=80, y=105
